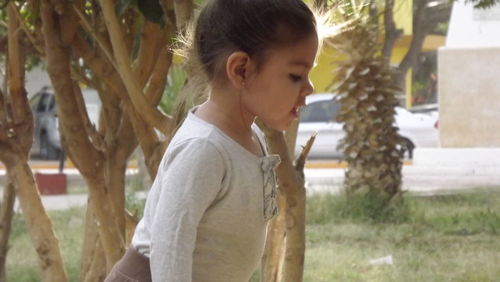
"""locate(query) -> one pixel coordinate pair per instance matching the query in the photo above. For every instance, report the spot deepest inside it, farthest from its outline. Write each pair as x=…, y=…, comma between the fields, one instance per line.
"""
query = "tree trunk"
x=86, y=157
x=425, y=19
x=291, y=184
x=116, y=167
x=16, y=133
x=391, y=32
x=6, y=214
x=38, y=223
x=109, y=233
x=90, y=237
x=97, y=269
x=275, y=245
x=129, y=116
x=272, y=261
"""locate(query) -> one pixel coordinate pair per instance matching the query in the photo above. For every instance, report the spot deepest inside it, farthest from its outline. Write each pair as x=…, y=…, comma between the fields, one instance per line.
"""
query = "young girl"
x=206, y=214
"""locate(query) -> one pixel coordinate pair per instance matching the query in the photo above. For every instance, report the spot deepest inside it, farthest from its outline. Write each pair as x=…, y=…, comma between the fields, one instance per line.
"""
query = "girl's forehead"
x=301, y=53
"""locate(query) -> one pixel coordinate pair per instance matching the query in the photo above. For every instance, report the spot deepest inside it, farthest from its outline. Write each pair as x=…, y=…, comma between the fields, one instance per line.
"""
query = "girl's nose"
x=308, y=88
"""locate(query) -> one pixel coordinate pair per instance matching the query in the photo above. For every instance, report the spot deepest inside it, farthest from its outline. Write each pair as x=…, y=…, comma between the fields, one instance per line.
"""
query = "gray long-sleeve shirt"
x=205, y=216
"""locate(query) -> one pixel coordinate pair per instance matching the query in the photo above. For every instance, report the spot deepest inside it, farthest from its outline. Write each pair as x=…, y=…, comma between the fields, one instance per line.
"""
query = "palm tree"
x=368, y=99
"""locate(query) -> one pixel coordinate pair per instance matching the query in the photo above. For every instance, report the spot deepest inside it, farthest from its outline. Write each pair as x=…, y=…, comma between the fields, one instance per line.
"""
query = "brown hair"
x=252, y=26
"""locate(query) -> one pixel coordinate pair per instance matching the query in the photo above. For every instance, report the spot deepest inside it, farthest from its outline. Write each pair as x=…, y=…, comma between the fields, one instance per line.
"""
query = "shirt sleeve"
x=191, y=179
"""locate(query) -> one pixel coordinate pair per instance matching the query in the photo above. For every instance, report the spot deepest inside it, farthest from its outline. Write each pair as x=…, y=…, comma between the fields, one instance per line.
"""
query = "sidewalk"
x=416, y=180
x=321, y=177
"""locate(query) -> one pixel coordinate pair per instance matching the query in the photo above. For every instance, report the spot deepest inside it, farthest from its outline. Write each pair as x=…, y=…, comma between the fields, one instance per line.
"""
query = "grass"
x=439, y=238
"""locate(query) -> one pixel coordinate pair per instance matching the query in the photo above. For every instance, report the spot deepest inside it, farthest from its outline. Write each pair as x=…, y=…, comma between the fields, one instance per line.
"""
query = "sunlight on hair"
x=327, y=26
x=183, y=45
x=337, y=19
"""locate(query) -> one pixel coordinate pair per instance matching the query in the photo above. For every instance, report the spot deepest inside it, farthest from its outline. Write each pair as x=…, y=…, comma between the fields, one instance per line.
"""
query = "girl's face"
x=277, y=89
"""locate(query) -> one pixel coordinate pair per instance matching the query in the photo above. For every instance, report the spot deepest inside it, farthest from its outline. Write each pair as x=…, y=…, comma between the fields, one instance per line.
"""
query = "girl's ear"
x=237, y=67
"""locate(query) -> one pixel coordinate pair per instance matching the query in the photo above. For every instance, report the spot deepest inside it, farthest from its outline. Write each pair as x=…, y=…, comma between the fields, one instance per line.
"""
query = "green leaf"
x=151, y=10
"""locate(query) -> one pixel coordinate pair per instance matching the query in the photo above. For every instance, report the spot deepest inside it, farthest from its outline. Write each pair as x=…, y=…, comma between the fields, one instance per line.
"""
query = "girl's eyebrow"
x=301, y=63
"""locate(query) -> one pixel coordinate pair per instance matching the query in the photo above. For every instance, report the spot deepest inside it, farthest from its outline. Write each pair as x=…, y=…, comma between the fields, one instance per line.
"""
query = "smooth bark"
x=291, y=184
x=16, y=131
x=123, y=63
x=38, y=223
x=391, y=32
x=272, y=260
x=86, y=157
x=183, y=13
x=6, y=214
x=90, y=237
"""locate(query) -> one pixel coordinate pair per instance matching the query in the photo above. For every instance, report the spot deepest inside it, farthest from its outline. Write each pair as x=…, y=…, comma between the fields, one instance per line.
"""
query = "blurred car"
x=319, y=114
x=47, y=141
x=431, y=110
x=428, y=109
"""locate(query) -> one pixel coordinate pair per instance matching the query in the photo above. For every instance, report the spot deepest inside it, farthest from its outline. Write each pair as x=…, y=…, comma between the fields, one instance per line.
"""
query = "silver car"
x=47, y=141
x=319, y=114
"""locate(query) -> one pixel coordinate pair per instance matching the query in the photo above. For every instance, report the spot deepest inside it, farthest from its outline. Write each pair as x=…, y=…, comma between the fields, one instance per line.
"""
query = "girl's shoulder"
x=197, y=132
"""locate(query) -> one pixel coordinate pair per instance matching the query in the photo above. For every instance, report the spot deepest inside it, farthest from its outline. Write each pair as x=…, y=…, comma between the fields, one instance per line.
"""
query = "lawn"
x=439, y=238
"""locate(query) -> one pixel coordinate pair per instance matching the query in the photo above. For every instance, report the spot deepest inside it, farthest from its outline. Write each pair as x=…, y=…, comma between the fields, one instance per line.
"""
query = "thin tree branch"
x=95, y=137
x=168, y=12
x=301, y=160
x=419, y=33
x=158, y=78
x=97, y=63
x=3, y=109
x=183, y=12
x=100, y=41
x=25, y=28
x=77, y=74
x=150, y=114
x=153, y=38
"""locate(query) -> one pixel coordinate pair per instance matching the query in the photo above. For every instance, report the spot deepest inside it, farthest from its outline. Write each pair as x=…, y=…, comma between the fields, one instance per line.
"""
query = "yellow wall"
x=322, y=75
x=403, y=15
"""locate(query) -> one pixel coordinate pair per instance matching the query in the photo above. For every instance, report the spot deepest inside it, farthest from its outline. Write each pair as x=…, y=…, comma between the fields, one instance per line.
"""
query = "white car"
x=419, y=130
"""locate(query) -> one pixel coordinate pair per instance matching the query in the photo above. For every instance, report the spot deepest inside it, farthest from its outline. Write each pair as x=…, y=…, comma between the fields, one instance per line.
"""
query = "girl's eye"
x=295, y=78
